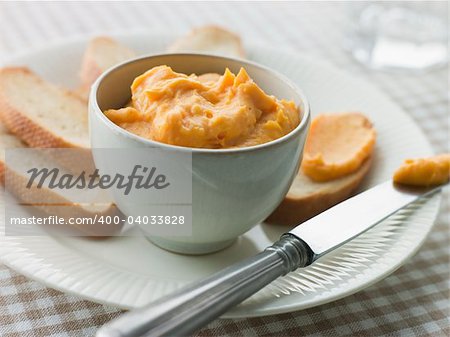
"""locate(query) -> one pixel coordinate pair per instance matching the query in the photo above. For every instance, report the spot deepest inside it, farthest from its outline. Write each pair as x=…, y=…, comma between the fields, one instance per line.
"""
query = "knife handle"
x=192, y=307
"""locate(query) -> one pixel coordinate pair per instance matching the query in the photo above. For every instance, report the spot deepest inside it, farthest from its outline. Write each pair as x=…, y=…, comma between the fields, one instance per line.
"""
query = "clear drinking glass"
x=400, y=35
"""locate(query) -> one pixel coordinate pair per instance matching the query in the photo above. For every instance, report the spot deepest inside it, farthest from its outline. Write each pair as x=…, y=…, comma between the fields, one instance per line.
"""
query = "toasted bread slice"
x=51, y=202
x=40, y=113
x=307, y=198
x=101, y=54
x=334, y=141
x=210, y=39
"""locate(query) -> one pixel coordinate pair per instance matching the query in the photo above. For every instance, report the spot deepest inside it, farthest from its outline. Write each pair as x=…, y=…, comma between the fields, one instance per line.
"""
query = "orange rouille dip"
x=206, y=111
x=424, y=171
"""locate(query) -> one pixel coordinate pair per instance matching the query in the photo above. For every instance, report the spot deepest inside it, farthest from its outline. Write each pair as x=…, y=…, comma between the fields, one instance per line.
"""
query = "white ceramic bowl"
x=232, y=189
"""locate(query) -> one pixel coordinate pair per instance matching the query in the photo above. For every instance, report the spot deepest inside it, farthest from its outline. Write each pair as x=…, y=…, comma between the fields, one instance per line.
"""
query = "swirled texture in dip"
x=206, y=111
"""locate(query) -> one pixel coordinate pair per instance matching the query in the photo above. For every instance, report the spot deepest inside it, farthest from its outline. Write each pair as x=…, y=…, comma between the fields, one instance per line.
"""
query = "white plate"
x=129, y=271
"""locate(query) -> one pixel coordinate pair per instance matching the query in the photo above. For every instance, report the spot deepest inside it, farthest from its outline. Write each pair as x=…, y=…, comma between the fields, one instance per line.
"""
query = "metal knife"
x=193, y=306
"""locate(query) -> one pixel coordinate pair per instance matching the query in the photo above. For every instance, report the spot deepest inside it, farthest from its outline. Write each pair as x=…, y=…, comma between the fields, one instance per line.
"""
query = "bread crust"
x=295, y=209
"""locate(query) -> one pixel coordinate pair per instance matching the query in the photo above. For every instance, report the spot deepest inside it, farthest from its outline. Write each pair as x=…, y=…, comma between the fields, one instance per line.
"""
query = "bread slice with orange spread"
x=337, y=156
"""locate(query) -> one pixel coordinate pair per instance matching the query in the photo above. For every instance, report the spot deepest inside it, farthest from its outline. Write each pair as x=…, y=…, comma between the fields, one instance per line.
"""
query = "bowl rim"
x=304, y=122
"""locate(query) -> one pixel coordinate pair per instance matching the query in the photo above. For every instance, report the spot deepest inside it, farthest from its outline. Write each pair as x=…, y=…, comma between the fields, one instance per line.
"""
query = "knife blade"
x=356, y=215
x=195, y=305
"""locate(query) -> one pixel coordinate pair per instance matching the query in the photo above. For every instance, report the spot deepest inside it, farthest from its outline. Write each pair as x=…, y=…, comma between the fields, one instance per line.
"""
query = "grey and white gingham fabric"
x=414, y=301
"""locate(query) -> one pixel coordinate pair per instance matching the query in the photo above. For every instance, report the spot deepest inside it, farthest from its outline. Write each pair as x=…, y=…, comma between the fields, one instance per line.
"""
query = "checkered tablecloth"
x=414, y=301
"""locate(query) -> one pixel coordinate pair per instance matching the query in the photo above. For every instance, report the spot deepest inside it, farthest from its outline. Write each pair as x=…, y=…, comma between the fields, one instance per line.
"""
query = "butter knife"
x=192, y=307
